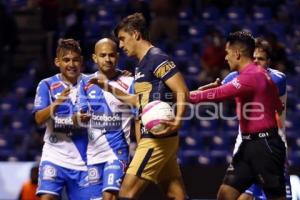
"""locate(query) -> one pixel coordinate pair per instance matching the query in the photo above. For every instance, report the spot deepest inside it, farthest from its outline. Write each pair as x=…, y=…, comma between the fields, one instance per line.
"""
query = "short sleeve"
x=42, y=97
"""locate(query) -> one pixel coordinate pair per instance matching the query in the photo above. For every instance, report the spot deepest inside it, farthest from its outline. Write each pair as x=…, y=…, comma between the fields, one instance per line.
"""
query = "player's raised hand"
x=214, y=84
x=80, y=118
x=64, y=95
x=100, y=80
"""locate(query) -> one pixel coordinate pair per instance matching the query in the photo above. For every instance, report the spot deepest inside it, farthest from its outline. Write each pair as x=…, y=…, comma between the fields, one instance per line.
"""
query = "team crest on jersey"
x=49, y=172
x=53, y=138
x=93, y=175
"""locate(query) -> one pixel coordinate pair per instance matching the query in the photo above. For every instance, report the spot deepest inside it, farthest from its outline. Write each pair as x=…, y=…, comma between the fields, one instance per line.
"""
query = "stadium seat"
x=294, y=158
x=262, y=15
x=210, y=15
x=185, y=17
x=9, y=104
x=196, y=31
x=220, y=157
x=235, y=15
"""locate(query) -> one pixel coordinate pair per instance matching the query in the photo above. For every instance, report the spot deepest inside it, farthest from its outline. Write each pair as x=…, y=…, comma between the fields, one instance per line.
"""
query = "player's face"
x=126, y=42
x=69, y=63
x=106, y=57
x=260, y=57
x=231, y=57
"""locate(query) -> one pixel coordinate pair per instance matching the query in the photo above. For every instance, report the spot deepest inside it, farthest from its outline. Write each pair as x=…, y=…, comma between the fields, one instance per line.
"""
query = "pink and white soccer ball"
x=153, y=113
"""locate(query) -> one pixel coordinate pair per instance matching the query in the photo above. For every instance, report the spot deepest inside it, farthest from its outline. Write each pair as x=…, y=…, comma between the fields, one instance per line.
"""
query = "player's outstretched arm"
x=43, y=115
x=214, y=84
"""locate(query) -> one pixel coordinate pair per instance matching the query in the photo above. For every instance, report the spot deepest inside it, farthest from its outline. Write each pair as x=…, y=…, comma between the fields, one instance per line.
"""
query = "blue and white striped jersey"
x=64, y=145
x=110, y=124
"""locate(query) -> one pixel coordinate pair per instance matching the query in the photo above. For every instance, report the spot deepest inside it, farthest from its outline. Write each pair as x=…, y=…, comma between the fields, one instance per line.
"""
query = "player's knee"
x=176, y=196
x=110, y=195
x=48, y=197
x=227, y=192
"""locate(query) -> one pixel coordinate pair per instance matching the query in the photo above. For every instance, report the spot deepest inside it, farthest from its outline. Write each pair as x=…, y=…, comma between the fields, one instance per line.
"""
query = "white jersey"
x=279, y=79
x=110, y=124
x=64, y=146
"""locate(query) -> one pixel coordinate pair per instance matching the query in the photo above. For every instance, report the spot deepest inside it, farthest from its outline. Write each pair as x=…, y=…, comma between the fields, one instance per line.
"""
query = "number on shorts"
x=111, y=178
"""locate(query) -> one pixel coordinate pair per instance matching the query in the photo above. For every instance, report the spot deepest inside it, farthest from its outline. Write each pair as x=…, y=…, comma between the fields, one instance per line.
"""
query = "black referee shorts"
x=260, y=160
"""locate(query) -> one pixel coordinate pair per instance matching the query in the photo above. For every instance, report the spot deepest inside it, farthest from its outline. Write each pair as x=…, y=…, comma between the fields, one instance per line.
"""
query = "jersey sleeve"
x=42, y=97
x=229, y=77
x=164, y=68
x=82, y=101
x=235, y=88
x=281, y=85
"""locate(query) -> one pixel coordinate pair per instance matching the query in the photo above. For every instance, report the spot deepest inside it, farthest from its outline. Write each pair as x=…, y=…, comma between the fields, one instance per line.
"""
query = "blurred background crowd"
x=192, y=32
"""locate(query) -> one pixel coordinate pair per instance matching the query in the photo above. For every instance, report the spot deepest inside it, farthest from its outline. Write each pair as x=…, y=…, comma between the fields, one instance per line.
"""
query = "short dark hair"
x=264, y=45
x=134, y=22
x=243, y=39
x=67, y=45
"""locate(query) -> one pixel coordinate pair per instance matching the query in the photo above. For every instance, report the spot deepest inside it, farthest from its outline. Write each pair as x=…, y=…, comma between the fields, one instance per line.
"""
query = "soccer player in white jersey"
x=63, y=162
x=110, y=123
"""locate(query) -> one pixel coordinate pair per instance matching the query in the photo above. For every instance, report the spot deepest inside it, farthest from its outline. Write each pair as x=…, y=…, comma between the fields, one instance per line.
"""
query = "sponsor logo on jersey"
x=113, y=167
x=93, y=175
x=63, y=124
x=139, y=75
x=49, y=172
x=55, y=85
x=53, y=138
x=109, y=122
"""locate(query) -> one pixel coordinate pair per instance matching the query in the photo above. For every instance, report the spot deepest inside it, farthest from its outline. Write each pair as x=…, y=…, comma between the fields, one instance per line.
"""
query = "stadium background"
x=192, y=32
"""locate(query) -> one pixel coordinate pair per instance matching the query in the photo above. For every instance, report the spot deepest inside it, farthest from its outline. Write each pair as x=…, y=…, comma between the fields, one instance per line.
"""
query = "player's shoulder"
x=230, y=77
x=157, y=56
x=276, y=73
x=49, y=81
x=86, y=77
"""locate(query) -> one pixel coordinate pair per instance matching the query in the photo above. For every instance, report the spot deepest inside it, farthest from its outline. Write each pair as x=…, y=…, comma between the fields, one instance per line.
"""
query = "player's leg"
x=171, y=180
x=269, y=166
x=113, y=174
x=51, y=181
x=95, y=185
x=48, y=197
x=149, y=159
x=245, y=196
x=132, y=187
x=174, y=189
x=238, y=177
x=227, y=192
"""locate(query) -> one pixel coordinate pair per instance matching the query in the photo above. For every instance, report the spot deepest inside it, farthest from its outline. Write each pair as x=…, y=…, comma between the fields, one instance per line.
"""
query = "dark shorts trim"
x=144, y=162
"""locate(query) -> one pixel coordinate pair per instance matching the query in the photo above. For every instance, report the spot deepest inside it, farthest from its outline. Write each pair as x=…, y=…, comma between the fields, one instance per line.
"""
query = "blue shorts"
x=53, y=178
x=106, y=176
